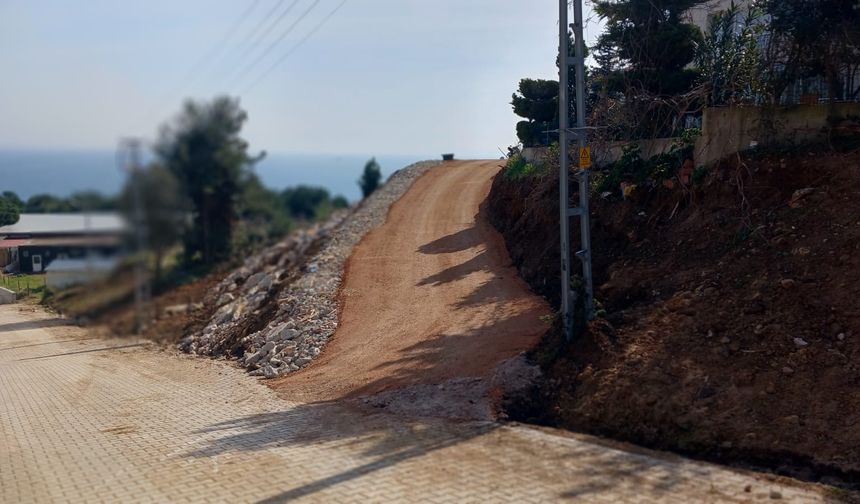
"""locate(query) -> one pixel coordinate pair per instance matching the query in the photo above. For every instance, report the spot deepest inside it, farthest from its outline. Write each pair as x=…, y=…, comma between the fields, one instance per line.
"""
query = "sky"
x=410, y=77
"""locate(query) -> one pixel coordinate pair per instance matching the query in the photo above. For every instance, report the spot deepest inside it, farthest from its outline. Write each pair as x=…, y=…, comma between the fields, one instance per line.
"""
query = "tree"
x=90, y=201
x=10, y=208
x=262, y=213
x=536, y=101
x=13, y=198
x=647, y=46
x=812, y=38
x=162, y=209
x=339, y=202
x=46, y=203
x=304, y=201
x=371, y=177
x=203, y=150
x=729, y=58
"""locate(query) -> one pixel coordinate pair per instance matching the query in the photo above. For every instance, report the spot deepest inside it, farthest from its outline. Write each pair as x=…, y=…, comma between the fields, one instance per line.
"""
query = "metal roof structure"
x=66, y=224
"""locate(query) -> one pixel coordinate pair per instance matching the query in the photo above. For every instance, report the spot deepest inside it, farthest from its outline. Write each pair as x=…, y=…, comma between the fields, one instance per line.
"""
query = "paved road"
x=84, y=419
x=430, y=295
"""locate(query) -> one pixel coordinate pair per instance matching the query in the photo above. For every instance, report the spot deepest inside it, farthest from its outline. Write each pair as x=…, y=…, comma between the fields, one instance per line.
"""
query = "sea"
x=62, y=172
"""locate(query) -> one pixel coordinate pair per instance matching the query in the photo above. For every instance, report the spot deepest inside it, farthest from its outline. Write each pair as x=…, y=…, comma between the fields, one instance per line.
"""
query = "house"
x=36, y=240
x=701, y=14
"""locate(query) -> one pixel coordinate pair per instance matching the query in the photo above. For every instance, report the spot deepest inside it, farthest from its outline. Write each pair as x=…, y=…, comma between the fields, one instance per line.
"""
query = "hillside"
x=732, y=322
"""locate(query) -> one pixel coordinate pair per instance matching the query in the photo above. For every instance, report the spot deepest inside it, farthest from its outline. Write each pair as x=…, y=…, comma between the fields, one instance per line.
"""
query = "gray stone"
x=225, y=298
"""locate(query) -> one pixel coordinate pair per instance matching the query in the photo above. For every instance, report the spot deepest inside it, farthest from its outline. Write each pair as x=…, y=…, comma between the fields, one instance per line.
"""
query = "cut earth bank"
x=732, y=326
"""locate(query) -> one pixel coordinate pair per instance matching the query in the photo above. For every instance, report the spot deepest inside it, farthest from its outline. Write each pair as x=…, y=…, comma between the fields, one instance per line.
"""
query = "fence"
x=24, y=285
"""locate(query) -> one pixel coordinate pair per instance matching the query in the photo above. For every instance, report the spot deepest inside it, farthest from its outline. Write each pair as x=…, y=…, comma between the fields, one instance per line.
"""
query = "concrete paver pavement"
x=91, y=420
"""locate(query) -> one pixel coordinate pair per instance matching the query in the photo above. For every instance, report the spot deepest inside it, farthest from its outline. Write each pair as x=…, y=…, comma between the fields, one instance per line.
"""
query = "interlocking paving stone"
x=90, y=420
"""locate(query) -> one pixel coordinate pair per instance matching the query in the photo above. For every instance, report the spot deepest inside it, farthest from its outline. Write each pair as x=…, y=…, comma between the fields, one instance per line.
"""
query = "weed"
x=699, y=175
x=631, y=167
x=517, y=167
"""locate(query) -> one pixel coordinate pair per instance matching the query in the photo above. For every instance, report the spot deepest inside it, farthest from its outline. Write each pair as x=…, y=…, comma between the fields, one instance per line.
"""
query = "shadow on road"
x=383, y=440
x=33, y=324
x=46, y=343
x=455, y=242
x=328, y=435
x=91, y=350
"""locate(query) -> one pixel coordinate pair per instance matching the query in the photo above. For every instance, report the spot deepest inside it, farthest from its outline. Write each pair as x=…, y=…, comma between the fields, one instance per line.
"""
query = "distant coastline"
x=62, y=172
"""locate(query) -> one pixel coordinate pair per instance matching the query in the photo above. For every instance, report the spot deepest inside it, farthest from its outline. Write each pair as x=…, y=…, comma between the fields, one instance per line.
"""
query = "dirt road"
x=430, y=295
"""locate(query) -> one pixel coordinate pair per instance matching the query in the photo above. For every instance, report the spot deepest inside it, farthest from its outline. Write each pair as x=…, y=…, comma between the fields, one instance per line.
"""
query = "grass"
x=27, y=284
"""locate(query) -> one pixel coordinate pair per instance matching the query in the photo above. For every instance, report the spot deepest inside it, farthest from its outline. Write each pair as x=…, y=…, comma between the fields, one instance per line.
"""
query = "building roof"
x=66, y=223
x=89, y=264
x=101, y=240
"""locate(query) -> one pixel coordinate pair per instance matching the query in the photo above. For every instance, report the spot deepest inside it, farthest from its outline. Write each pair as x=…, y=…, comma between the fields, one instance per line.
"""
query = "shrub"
x=632, y=168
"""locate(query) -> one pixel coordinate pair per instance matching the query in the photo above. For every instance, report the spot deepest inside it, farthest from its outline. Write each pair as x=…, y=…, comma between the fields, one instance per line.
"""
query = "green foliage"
x=517, y=167
x=304, y=201
x=370, y=178
x=24, y=285
x=91, y=201
x=83, y=201
x=729, y=57
x=162, y=209
x=10, y=208
x=647, y=44
x=809, y=39
x=46, y=203
x=633, y=169
x=537, y=102
x=699, y=175
x=13, y=199
x=203, y=149
x=339, y=202
x=262, y=214
x=267, y=215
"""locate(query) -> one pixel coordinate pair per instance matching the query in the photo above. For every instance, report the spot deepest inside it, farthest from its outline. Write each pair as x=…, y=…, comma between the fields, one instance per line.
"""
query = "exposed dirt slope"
x=429, y=296
x=733, y=321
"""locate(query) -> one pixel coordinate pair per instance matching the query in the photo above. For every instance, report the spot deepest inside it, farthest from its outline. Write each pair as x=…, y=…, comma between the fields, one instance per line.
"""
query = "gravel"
x=275, y=313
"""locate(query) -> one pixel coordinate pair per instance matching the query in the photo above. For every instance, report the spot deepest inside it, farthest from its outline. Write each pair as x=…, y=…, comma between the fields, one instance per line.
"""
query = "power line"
x=254, y=40
x=194, y=71
x=232, y=31
x=293, y=49
x=277, y=41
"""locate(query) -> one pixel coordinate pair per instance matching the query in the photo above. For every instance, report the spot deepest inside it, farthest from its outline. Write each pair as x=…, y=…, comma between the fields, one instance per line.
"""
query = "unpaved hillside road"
x=430, y=295
x=92, y=420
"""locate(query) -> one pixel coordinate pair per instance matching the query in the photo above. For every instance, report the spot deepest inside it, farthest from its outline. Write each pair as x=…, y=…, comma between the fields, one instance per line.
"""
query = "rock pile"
x=275, y=313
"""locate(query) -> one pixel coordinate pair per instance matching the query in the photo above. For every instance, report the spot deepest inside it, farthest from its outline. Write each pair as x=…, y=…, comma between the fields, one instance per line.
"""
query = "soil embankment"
x=427, y=297
x=732, y=326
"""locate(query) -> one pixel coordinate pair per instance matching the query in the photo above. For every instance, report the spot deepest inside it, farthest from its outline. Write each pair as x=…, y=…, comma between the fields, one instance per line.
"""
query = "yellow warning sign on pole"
x=585, y=157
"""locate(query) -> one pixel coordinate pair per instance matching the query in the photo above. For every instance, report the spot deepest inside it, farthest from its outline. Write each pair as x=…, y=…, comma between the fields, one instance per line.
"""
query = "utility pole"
x=566, y=62
x=130, y=151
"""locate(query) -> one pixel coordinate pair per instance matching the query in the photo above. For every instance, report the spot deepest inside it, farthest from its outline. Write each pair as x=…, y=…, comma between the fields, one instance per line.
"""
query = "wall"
x=535, y=154
x=6, y=296
x=727, y=130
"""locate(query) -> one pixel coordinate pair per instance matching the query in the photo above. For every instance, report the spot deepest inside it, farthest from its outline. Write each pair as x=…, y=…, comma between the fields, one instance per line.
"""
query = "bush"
x=518, y=167
x=339, y=202
x=632, y=168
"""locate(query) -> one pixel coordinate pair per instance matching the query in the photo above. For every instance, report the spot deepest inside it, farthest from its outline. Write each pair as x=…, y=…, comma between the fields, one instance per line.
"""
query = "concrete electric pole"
x=565, y=63
x=129, y=151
